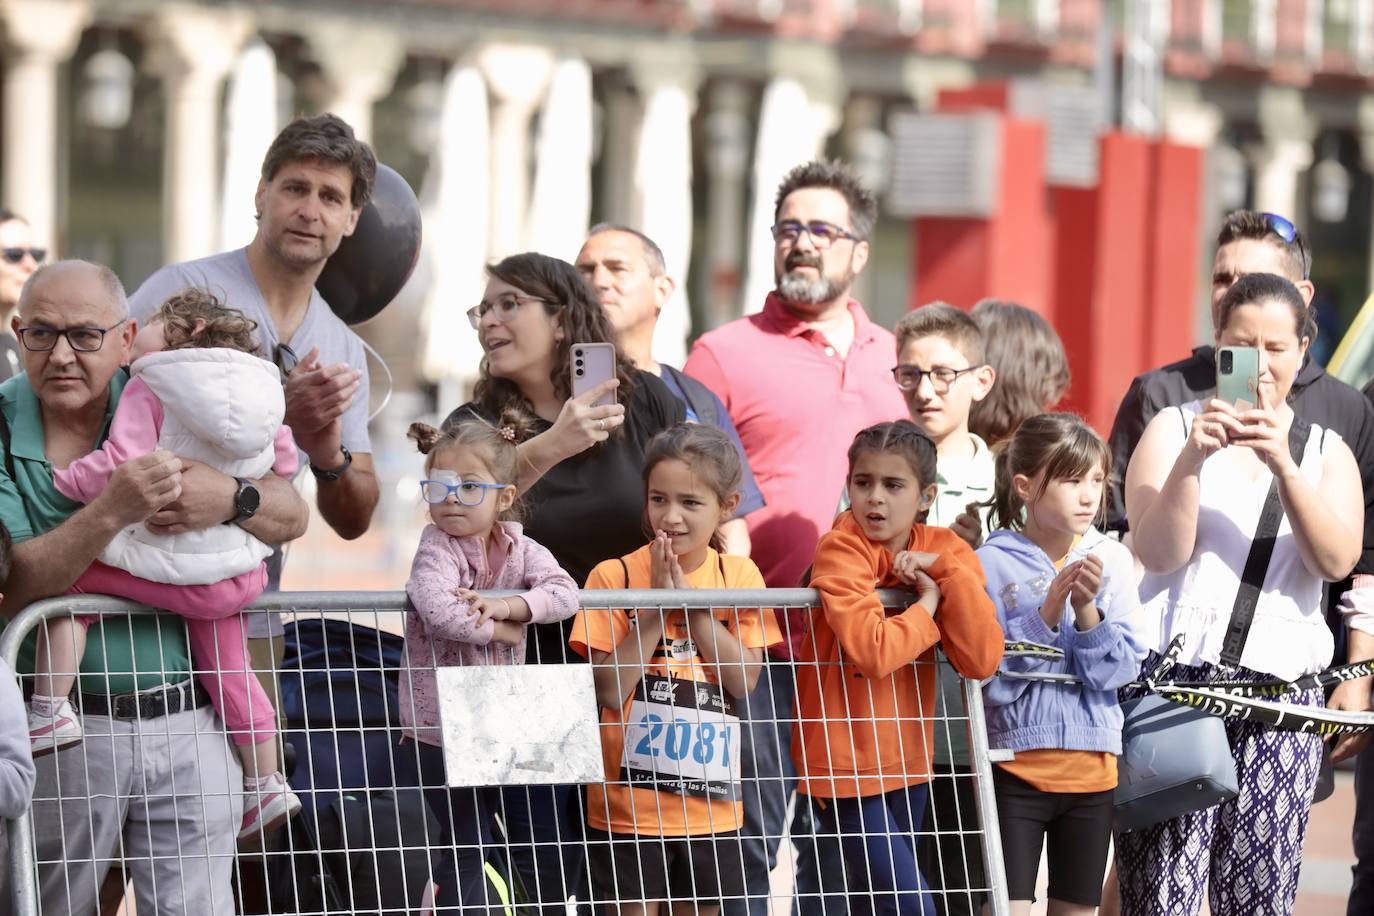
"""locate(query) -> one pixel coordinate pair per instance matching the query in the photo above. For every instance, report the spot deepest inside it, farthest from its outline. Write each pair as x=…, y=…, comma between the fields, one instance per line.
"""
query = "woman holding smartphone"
x=1194, y=493
x=580, y=481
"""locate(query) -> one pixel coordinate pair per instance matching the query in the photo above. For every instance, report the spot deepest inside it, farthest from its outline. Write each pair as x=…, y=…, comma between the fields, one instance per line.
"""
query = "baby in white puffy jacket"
x=198, y=390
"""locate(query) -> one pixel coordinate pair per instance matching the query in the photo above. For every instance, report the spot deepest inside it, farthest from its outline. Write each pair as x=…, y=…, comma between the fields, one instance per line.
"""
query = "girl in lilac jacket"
x=1057, y=581
x=472, y=544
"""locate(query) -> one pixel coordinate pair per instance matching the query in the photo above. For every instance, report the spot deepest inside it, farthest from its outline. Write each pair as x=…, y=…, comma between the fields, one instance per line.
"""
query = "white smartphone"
x=592, y=364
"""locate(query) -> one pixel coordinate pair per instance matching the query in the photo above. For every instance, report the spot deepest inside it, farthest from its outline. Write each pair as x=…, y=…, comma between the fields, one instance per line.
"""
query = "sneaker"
x=54, y=733
x=266, y=809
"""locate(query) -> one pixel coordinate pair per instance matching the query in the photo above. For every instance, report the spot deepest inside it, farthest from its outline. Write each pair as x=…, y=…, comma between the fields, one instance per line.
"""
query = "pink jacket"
x=442, y=629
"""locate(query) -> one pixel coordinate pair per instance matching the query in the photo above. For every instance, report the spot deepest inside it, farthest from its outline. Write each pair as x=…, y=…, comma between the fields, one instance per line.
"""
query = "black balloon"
x=371, y=265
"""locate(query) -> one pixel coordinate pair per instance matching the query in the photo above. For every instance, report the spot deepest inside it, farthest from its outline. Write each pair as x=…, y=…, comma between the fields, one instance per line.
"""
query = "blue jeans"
x=465, y=840
x=543, y=851
x=547, y=855
x=769, y=781
x=878, y=842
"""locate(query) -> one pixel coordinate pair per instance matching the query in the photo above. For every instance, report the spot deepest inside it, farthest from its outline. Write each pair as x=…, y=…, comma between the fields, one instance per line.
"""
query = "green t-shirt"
x=123, y=654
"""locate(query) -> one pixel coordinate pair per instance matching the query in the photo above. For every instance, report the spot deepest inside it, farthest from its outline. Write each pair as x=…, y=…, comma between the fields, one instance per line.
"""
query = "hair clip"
x=507, y=433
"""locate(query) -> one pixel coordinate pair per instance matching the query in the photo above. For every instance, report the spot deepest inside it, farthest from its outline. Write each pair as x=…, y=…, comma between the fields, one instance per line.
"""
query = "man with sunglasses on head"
x=153, y=780
x=316, y=178
x=18, y=260
x=799, y=380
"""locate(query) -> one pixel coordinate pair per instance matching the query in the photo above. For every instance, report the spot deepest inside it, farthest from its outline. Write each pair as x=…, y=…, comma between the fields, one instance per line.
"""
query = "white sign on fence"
x=520, y=725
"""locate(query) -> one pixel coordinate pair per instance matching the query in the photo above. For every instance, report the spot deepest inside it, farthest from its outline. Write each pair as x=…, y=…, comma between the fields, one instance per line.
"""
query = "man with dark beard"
x=799, y=380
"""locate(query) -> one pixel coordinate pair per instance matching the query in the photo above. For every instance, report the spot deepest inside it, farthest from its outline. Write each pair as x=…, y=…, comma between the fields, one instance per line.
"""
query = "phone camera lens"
x=579, y=363
x=579, y=372
x=1226, y=361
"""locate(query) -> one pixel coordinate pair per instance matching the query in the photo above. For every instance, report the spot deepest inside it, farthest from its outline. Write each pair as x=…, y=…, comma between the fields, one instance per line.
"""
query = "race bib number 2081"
x=682, y=737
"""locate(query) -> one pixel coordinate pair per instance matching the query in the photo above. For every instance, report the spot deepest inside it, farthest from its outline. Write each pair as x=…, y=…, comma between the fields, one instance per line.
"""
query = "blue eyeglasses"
x=1284, y=229
x=470, y=492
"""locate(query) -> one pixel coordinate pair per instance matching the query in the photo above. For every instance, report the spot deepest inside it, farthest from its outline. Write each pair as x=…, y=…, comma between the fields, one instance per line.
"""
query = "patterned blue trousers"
x=1250, y=847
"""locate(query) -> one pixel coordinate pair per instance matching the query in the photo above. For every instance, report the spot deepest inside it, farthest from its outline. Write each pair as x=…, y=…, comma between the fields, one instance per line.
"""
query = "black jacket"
x=1317, y=397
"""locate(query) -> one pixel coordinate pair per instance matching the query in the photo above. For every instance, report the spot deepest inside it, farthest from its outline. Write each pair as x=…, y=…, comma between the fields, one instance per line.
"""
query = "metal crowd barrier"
x=359, y=782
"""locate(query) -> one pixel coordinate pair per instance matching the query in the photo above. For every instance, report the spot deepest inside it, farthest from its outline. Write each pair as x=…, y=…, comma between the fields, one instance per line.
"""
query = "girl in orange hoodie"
x=864, y=708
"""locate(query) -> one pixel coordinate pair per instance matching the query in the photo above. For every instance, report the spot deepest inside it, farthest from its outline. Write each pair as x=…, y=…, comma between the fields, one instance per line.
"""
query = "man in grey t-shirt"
x=316, y=178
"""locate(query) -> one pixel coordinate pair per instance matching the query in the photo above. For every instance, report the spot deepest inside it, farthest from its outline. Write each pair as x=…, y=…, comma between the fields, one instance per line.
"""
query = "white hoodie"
x=221, y=407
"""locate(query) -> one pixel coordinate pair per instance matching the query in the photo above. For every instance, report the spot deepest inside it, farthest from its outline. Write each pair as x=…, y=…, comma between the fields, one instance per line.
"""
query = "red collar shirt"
x=797, y=404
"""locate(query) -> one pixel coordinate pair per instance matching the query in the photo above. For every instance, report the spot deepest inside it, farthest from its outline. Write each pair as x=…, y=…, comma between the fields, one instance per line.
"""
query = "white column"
x=1284, y=153
x=250, y=125
x=194, y=49
x=561, y=201
x=454, y=201
x=663, y=185
x=518, y=75
x=622, y=113
x=360, y=67
x=40, y=36
x=727, y=164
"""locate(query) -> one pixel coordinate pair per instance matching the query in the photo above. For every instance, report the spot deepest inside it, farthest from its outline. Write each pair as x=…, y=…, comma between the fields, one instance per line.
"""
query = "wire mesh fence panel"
x=741, y=760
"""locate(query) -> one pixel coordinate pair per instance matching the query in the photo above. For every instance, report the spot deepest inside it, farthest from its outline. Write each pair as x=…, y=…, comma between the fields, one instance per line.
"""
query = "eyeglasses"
x=286, y=360
x=470, y=492
x=908, y=378
x=1284, y=229
x=506, y=306
x=15, y=255
x=83, y=340
x=823, y=235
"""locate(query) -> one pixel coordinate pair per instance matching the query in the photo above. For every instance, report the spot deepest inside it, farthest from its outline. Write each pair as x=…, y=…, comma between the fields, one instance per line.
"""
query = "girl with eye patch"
x=474, y=542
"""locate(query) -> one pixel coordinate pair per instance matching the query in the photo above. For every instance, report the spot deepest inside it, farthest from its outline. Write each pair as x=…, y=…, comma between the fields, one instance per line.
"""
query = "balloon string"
x=390, y=380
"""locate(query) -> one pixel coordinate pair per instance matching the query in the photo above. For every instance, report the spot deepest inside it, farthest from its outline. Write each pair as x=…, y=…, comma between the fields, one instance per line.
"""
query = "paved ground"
x=1327, y=856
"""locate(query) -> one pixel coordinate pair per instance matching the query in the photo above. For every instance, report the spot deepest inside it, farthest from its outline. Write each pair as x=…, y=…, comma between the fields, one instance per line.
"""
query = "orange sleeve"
x=755, y=628
x=875, y=642
x=599, y=629
x=967, y=619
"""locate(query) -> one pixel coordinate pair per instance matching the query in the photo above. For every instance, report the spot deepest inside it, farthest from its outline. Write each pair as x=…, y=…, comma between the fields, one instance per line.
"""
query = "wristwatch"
x=334, y=473
x=246, y=501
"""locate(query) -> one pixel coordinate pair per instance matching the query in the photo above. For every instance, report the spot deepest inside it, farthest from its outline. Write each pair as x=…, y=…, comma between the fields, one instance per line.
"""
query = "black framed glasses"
x=286, y=360
x=41, y=339
x=15, y=255
x=506, y=307
x=909, y=377
x=823, y=234
x=470, y=492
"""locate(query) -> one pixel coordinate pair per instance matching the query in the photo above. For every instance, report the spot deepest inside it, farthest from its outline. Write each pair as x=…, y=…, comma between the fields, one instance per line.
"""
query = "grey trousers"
x=163, y=795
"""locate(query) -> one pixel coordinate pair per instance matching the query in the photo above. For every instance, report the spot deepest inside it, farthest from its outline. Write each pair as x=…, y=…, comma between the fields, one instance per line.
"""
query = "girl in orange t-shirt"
x=865, y=710
x=665, y=825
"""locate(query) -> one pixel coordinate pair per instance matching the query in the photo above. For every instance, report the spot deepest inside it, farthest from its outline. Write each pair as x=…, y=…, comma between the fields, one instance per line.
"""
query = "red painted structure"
x=1114, y=267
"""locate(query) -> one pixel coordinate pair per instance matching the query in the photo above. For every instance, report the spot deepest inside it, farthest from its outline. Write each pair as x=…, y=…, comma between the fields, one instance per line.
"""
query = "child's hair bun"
x=425, y=436
x=515, y=425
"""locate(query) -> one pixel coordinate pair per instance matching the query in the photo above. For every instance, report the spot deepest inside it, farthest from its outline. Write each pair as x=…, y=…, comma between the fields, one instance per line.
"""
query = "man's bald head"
x=106, y=280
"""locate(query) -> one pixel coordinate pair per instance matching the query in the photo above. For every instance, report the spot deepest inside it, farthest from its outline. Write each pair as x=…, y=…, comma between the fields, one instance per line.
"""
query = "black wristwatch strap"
x=337, y=472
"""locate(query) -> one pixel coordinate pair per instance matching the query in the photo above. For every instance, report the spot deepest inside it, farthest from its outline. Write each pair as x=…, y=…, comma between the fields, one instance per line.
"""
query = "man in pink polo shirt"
x=799, y=379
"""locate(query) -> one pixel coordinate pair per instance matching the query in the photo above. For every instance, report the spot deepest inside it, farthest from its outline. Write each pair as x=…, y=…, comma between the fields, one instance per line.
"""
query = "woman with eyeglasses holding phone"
x=579, y=477
x=19, y=258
